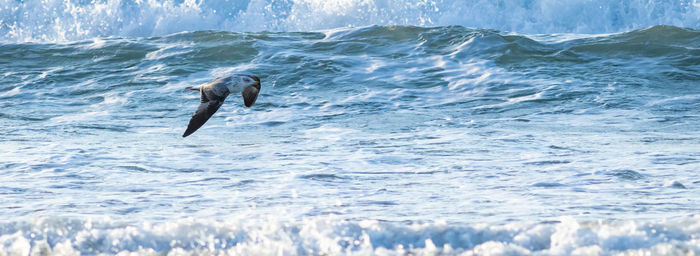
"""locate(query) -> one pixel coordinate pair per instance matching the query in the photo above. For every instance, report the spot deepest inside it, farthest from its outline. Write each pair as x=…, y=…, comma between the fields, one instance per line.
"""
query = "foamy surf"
x=330, y=236
x=60, y=21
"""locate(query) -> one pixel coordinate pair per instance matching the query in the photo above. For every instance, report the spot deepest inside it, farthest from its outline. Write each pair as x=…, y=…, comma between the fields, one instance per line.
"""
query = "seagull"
x=214, y=93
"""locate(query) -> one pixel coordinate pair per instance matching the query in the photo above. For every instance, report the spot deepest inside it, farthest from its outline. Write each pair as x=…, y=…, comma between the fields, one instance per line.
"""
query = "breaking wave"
x=68, y=20
x=323, y=236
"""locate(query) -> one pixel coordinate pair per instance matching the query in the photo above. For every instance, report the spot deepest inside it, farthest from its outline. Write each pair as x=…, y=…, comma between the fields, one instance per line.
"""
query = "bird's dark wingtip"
x=188, y=132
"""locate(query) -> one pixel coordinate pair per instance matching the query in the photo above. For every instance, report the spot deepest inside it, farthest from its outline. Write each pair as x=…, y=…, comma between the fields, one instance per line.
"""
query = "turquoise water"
x=382, y=139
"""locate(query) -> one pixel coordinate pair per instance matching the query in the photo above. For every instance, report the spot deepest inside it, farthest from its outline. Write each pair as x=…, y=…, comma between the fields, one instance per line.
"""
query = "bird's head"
x=251, y=88
x=250, y=80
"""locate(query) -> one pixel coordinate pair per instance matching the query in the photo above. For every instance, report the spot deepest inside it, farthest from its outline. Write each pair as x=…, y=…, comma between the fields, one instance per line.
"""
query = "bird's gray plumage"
x=215, y=92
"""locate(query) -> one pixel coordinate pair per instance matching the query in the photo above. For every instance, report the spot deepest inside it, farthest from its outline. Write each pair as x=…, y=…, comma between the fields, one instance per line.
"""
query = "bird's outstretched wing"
x=250, y=94
x=210, y=104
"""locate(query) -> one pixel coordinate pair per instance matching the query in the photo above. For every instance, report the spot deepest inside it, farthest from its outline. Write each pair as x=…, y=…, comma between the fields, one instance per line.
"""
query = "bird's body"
x=215, y=92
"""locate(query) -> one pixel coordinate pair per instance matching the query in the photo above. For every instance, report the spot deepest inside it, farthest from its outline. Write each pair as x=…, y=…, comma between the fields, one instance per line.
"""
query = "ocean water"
x=382, y=128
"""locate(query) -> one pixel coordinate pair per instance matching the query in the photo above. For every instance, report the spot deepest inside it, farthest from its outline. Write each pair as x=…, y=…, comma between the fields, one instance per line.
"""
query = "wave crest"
x=59, y=20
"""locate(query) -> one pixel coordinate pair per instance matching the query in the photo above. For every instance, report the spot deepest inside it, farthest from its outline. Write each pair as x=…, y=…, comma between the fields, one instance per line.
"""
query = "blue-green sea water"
x=375, y=133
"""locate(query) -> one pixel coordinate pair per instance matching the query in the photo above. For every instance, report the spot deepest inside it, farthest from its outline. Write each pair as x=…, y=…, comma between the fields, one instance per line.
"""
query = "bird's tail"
x=194, y=88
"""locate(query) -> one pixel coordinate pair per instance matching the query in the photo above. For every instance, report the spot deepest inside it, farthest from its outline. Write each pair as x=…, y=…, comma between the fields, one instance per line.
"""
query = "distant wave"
x=67, y=20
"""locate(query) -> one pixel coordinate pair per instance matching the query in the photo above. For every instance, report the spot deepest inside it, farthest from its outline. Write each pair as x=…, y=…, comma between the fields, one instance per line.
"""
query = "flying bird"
x=214, y=93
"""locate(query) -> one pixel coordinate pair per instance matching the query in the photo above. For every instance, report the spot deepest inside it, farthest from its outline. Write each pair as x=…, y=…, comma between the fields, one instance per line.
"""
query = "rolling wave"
x=58, y=20
x=485, y=69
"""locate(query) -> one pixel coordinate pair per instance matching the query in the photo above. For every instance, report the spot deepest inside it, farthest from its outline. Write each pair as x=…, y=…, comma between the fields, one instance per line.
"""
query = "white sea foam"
x=12, y=92
x=273, y=235
x=59, y=20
